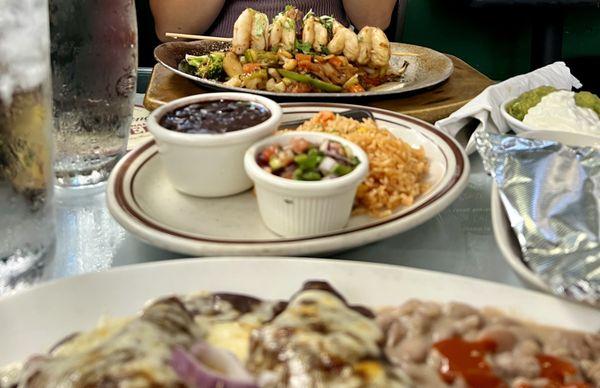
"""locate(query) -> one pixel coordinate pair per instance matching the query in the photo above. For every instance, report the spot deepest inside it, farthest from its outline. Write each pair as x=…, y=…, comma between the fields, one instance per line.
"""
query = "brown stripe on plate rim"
x=133, y=155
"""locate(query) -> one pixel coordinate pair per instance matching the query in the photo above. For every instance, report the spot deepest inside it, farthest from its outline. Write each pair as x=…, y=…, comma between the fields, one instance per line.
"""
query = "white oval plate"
x=143, y=201
x=426, y=70
x=509, y=245
x=35, y=319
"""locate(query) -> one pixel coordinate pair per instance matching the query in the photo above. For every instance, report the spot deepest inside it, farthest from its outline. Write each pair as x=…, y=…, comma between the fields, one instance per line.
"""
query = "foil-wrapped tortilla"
x=551, y=193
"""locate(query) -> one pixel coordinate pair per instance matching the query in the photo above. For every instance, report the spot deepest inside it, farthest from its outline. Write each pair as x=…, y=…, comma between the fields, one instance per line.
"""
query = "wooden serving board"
x=430, y=105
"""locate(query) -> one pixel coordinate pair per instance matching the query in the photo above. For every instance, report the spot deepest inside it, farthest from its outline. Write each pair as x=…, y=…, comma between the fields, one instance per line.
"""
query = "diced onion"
x=206, y=366
x=327, y=165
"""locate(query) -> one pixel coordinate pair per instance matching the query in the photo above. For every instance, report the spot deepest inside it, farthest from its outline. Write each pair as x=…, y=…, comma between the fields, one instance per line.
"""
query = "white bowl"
x=210, y=165
x=294, y=208
x=515, y=124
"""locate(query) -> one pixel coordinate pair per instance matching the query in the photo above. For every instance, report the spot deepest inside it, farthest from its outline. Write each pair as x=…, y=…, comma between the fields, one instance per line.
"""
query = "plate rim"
x=172, y=240
x=215, y=85
x=74, y=312
x=503, y=234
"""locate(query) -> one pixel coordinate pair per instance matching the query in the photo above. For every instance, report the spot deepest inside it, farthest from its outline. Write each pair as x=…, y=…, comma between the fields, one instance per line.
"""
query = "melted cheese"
x=132, y=353
x=107, y=327
x=319, y=341
x=232, y=336
x=346, y=332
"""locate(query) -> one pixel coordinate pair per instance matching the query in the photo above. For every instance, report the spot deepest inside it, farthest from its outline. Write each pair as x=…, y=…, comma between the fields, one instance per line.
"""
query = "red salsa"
x=467, y=360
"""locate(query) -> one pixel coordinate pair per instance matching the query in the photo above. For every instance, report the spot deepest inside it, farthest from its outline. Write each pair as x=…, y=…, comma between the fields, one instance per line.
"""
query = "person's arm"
x=369, y=13
x=184, y=16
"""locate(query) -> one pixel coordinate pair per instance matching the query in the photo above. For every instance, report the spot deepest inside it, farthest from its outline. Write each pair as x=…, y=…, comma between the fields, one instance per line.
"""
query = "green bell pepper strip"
x=307, y=79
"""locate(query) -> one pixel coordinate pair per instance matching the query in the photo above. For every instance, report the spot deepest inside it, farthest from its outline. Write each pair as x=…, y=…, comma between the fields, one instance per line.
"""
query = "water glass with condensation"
x=94, y=69
x=26, y=179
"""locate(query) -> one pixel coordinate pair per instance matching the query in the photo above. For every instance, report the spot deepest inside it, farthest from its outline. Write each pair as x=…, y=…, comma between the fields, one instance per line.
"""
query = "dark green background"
x=494, y=41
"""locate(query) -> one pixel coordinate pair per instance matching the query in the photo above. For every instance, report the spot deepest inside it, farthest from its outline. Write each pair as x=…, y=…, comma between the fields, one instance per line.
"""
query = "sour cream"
x=558, y=112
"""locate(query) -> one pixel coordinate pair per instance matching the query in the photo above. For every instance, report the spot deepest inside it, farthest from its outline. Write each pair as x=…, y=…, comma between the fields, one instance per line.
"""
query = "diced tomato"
x=303, y=57
x=250, y=67
x=325, y=116
x=336, y=61
x=299, y=145
x=266, y=154
x=304, y=65
x=356, y=88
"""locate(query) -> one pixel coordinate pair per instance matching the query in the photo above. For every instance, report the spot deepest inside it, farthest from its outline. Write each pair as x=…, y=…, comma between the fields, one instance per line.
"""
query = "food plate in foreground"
x=325, y=334
x=146, y=204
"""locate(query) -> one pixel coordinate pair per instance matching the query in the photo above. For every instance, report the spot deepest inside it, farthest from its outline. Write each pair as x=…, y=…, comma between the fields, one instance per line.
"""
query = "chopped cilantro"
x=327, y=22
x=305, y=47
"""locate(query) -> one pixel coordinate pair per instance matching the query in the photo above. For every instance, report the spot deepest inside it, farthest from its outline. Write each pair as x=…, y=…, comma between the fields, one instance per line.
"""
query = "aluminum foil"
x=551, y=193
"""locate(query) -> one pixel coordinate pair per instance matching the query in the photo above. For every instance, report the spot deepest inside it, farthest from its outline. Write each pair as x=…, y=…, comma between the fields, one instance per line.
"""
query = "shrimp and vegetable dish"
x=298, y=53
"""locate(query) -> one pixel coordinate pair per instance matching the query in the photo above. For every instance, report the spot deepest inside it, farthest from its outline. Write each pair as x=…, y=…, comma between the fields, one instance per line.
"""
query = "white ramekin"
x=294, y=208
x=515, y=124
x=210, y=165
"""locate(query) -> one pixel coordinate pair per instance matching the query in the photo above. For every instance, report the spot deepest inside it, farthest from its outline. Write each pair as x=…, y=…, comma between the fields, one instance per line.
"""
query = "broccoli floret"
x=207, y=66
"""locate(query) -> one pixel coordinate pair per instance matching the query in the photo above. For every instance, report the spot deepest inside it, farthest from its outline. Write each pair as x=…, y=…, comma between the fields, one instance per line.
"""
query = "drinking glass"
x=94, y=68
x=26, y=179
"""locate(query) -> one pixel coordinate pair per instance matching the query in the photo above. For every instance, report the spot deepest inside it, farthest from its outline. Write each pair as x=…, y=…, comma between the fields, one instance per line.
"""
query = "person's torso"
x=223, y=25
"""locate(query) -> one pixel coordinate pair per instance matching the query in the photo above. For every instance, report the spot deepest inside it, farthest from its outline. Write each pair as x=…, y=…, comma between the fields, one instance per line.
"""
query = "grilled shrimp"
x=336, y=26
x=321, y=37
x=241, y=32
x=275, y=32
x=259, y=36
x=344, y=41
x=308, y=30
x=364, y=45
x=314, y=33
x=288, y=34
x=380, y=51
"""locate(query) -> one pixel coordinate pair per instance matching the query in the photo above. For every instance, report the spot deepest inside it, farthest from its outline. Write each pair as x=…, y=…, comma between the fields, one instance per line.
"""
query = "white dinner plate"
x=35, y=319
x=144, y=202
x=509, y=245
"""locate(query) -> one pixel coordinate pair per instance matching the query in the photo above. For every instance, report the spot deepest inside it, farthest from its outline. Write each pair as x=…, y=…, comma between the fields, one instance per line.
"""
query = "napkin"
x=485, y=108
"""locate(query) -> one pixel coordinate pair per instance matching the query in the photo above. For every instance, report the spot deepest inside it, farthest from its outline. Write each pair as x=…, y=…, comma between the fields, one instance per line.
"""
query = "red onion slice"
x=209, y=367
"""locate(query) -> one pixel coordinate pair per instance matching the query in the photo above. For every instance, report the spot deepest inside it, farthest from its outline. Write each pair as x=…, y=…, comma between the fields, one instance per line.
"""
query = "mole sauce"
x=215, y=117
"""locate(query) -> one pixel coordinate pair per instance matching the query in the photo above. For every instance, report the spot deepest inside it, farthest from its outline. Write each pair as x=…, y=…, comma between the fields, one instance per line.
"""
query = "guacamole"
x=588, y=100
x=518, y=107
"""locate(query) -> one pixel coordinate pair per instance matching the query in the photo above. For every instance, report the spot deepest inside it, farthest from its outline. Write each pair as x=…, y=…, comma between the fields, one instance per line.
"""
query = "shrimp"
x=344, y=41
x=321, y=37
x=288, y=34
x=380, y=50
x=259, y=36
x=336, y=26
x=364, y=45
x=287, y=21
x=275, y=34
x=308, y=30
x=241, y=32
